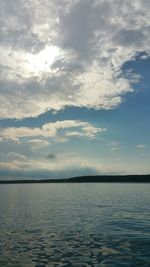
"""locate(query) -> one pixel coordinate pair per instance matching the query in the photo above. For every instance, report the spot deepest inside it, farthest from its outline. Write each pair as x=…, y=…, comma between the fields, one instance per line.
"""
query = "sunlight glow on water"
x=74, y=225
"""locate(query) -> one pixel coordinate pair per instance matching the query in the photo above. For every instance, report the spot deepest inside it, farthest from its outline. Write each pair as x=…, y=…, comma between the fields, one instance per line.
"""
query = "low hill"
x=88, y=179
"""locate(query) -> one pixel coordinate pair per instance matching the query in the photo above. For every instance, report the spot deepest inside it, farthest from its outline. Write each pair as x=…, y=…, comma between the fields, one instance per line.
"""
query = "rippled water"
x=75, y=225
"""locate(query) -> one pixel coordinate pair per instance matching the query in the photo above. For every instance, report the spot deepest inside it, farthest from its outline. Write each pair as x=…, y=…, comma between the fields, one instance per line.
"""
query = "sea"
x=79, y=225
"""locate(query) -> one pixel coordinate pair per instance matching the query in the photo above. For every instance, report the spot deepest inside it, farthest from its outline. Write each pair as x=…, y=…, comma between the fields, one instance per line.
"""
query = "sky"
x=74, y=88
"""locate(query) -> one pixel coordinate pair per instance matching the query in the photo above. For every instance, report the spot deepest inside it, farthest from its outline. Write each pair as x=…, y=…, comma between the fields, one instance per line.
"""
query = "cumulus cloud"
x=68, y=53
x=51, y=130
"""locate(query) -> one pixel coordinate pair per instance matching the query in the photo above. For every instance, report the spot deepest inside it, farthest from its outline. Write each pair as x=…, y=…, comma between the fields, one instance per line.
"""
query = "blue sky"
x=74, y=88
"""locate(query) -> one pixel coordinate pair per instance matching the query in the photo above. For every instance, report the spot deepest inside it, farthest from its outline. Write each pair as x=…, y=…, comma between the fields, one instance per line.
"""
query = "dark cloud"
x=85, y=27
x=78, y=29
x=129, y=37
x=17, y=26
x=51, y=156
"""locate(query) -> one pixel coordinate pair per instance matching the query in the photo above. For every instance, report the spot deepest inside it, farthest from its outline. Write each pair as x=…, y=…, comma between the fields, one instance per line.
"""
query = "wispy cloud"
x=114, y=147
x=16, y=156
x=141, y=146
x=38, y=143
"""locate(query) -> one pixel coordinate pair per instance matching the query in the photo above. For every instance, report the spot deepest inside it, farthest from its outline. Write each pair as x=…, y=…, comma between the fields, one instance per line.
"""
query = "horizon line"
x=123, y=178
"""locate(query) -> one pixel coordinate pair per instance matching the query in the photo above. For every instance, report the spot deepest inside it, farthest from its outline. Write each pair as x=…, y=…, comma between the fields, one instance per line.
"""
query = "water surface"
x=74, y=225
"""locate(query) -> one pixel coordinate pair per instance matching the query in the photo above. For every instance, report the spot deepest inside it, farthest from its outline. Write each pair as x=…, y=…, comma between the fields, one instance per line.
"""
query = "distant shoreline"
x=86, y=179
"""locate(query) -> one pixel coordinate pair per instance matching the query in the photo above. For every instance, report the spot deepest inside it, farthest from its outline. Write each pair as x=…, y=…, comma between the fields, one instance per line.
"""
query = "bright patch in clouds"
x=42, y=61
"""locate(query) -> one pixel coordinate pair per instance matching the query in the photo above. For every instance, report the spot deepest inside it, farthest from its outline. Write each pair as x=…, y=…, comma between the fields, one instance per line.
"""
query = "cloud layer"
x=52, y=130
x=56, y=54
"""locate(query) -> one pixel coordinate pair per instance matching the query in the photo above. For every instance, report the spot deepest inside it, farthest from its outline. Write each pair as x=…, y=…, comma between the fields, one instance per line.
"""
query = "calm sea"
x=75, y=225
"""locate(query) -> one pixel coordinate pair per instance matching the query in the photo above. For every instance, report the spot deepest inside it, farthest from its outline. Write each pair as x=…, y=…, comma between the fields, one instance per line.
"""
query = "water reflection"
x=74, y=225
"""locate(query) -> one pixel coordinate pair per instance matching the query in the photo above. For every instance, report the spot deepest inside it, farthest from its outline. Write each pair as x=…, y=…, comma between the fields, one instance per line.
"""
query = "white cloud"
x=75, y=134
x=141, y=146
x=16, y=156
x=51, y=130
x=38, y=143
x=56, y=54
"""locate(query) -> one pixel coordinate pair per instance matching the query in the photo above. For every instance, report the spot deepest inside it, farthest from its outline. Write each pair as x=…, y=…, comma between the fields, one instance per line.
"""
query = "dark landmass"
x=87, y=179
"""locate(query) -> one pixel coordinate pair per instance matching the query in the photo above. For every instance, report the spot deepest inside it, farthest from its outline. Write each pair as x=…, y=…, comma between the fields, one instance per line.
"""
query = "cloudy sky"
x=74, y=88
